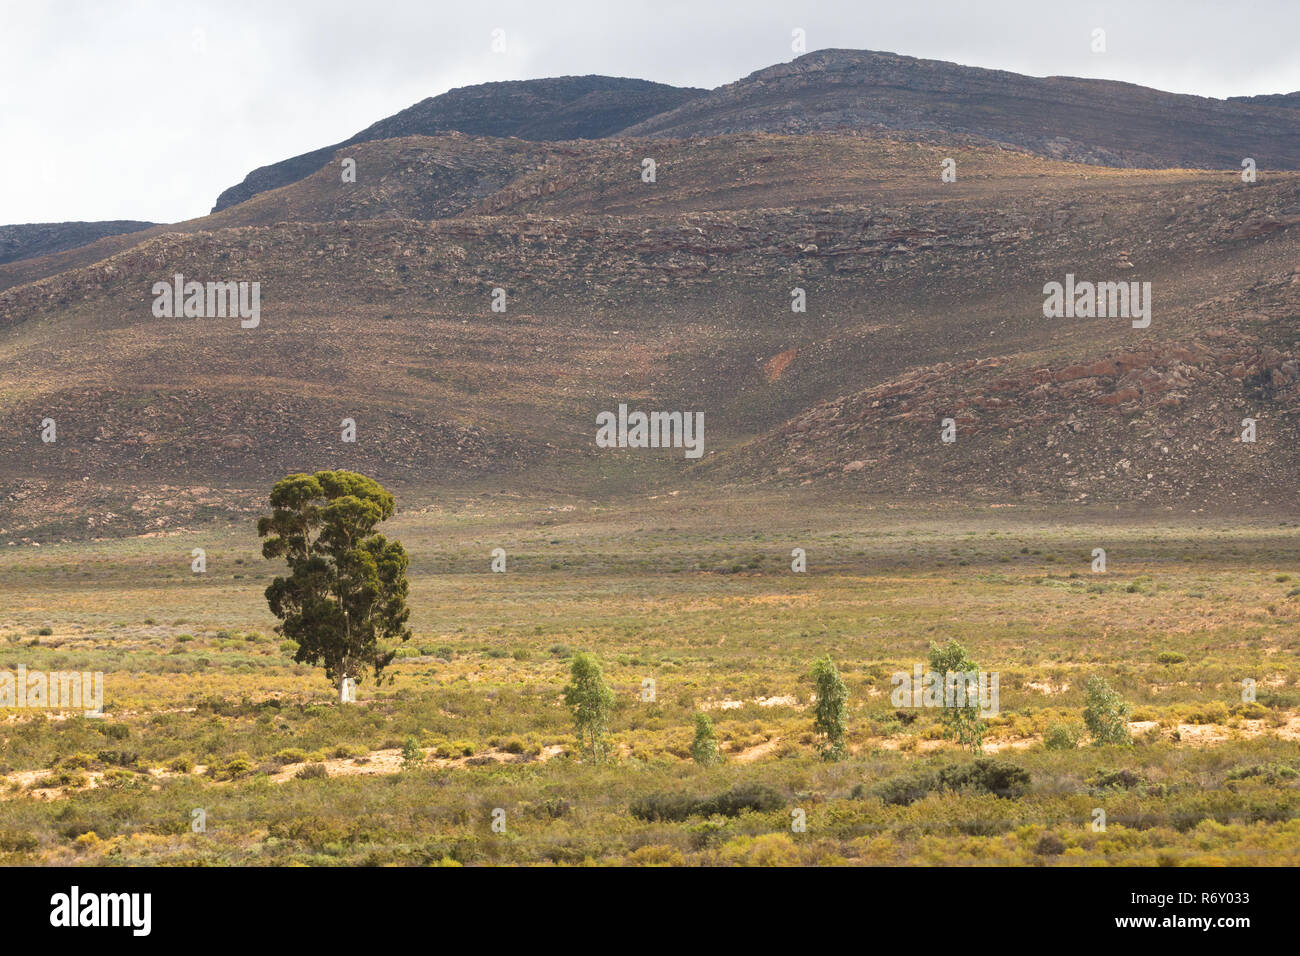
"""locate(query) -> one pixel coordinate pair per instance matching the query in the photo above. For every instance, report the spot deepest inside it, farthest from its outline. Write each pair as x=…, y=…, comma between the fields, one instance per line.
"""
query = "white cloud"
x=108, y=111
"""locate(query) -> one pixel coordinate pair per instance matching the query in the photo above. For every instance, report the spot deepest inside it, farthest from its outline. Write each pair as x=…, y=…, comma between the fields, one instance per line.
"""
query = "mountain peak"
x=555, y=108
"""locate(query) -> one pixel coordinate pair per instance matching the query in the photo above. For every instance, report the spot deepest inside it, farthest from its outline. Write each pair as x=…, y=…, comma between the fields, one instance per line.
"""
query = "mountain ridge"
x=32, y=240
x=1095, y=121
x=555, y=108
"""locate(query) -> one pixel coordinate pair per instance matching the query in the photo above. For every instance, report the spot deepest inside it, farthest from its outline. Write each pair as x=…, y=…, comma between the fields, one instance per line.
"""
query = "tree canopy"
x=344, y=598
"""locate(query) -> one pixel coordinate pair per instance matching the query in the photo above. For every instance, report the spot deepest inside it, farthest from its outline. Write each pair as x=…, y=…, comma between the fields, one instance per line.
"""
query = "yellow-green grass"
x=695, y=593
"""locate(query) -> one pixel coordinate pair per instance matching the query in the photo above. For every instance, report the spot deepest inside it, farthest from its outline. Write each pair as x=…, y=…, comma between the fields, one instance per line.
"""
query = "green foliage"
x=1111, y=779
x=231, y=768
x=412, y=755
x=1062, y=736
x=828, y=711
x=988, y=775
x=675, y=807
x=960, y=723
x=115, y=731
x=346, y=589
x=592, y=702
x=13, y=841
x=905, y=789
x=1171, y=657
x=704, y=748
x=1270, y=773
x=982, y=775
x=1105, y=714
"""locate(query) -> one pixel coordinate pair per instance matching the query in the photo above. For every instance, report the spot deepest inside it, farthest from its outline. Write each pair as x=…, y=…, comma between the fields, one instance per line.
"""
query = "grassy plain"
x=206, y=710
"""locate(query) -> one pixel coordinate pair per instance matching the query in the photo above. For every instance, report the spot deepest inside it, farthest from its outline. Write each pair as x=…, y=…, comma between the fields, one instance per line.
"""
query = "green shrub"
x=704, y=748
x=591, y=701
x=983, y=775
x=1105, y=714
x=906, y=789
x=675, y=807
x=1122, y=779
x=118, y=758
x=829, y=710
x=998, y=777
x=13, y=841
x=412, y=755
x=1062, y=736
x=962, y=724
x=1270, y=773
x=232, y=767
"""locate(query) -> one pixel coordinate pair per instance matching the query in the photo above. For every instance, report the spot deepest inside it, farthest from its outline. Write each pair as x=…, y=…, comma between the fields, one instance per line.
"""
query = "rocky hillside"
x=435, y=177
x=43, y=238
x=924, y=301
x=1086, y=121
x=566, y=107
x=1287, y=100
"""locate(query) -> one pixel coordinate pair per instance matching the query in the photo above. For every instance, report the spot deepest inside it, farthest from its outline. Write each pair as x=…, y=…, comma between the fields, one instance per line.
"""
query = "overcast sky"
x=147, y=110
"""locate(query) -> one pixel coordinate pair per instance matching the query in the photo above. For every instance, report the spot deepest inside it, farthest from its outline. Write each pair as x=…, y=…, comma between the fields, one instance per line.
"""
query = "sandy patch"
x=750, y=754
x=1047, y=687
x=786, y=700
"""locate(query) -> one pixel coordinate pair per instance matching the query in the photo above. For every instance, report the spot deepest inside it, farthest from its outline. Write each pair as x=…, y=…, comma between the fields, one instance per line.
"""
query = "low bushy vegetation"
x=1187, y=768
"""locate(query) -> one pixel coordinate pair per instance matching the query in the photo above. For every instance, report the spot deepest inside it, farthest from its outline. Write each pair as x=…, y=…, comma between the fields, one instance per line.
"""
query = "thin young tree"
x=961, y=722
x=704, y=748
x=829, y=709
x=1106, y=714
x=592, y=702
x=344, y=598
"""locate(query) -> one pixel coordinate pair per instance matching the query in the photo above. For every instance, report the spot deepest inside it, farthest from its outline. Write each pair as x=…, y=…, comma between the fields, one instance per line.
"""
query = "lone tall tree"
x=346, y=590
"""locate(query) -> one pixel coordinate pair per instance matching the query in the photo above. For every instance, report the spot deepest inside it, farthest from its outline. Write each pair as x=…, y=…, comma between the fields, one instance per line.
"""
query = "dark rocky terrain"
x=566, y=107
x=1287, y=100
x=1081, y=120
x=43, y=238
x=924, y=302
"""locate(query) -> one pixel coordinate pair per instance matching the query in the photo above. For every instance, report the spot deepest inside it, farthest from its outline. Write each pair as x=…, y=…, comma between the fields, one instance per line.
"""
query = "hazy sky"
x=147, y=110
